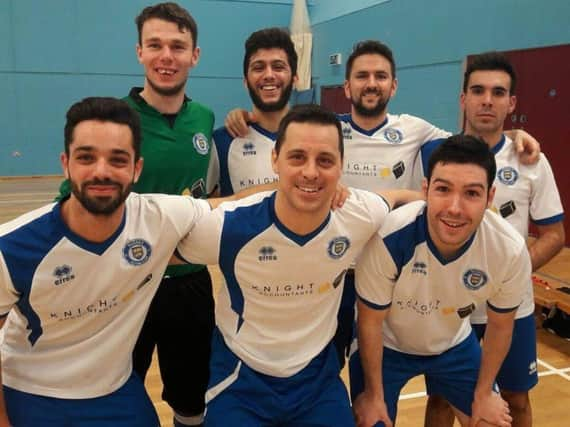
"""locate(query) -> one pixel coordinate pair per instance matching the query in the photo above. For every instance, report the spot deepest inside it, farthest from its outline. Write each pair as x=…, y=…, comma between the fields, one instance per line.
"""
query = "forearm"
x=495, y=347
x=370, y=348
x=214, y=202
x=400, y=197
x=545, y=247
x=4, y=422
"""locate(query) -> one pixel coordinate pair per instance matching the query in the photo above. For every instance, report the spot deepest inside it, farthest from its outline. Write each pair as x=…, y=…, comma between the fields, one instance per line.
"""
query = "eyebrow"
x=450, y=183
x=480, y=86
x=90, y=149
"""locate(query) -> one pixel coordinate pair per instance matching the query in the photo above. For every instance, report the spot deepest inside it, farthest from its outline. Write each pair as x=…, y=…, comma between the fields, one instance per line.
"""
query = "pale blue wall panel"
x=44, y=35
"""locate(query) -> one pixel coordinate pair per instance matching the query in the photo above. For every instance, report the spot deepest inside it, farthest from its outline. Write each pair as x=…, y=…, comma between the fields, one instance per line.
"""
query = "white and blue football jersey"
x=430, y=298
x=523, y=193
x=279, y=305
x=240, y=163
x=386, y=157
x=75, y=308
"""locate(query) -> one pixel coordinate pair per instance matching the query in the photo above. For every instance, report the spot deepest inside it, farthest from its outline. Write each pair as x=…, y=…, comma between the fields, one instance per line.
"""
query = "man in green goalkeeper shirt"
x=176, y=150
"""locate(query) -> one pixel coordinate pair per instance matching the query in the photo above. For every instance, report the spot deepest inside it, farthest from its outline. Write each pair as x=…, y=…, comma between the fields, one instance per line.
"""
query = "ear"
x=294, y=80
x=274, y=157
x=138, y=169
x=195, y=56
x=491, y=196
x=394, y=87
x=64, y=160
x=462, y=101
x=347, y=89
x=425, y=186
x=512, y=103
x=138, y=50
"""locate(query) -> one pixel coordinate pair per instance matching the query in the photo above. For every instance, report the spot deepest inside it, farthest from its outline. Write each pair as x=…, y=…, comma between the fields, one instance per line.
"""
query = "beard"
x=271, y=107
x=374, y=111
x=104, y=206
x=166, y=91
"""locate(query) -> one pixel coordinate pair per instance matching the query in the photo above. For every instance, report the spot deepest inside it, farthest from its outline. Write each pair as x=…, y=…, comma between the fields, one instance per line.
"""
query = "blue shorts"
x=128, y=406
x=239, y=396
x=345, y=319
x=518, y=372
x=452, y=374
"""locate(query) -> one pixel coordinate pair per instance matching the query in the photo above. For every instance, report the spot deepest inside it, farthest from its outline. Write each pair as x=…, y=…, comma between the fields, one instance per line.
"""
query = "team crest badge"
x=394, y=136
x=201, y=143
x=338, y=247
x=474, y=279
x=137, y=251
x=346, y=132
x=508, y=175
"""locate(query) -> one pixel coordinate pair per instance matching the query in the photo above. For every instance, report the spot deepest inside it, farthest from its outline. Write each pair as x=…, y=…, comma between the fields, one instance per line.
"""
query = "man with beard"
x=77, y=277
x=270, y=70
x=177, y=133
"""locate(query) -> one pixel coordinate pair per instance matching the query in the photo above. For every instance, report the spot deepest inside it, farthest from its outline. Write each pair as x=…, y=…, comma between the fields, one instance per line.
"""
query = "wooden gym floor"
x=550, y=398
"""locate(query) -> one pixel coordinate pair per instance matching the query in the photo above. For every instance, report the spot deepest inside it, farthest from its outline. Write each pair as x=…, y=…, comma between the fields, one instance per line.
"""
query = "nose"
x=268, y=72
x=310, y=170
x=455, y=204
x=101, y=170
x=166, y=53
x=487, y=98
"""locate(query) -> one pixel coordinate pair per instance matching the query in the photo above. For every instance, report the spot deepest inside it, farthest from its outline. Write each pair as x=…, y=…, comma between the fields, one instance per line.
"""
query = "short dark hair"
x=490, y=61
x=171, y=12
x=464, y=149
x=104, y=109
x=270, y=38
x=370, y=47
x=309, y=113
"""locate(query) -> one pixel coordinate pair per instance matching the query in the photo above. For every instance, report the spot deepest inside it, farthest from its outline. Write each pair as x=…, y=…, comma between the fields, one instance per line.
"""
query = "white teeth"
x=165, y=72
x=268, y=87
x=308, y=190
x=453, y=225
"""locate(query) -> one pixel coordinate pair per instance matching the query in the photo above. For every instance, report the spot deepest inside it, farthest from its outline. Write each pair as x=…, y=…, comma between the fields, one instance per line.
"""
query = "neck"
x=270, y=121
x=299, y=222
x=162, y=103
x=94, y=228
x=368, y=123
x=490, y=138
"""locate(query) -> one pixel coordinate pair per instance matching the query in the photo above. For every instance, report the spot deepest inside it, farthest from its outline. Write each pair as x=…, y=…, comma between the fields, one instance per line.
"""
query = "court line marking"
x=561, y=372
x=551, y=371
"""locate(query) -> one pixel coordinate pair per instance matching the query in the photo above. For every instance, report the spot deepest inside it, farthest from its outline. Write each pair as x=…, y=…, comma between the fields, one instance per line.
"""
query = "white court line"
x=561, y=372
x=551, y=371
x=24, y=201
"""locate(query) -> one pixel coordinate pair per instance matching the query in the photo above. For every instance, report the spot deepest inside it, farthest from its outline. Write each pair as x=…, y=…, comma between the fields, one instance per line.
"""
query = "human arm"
x=396, y=198
x=550, y=241
x=527, y=147
x=4, y=422
x=487, y=404
x=369, y=407
x=342, y=193
x=236, y=122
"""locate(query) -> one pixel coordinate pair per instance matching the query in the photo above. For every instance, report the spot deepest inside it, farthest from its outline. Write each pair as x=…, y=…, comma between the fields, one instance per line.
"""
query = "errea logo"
x=63, y=274
x=267, y=253
x=249, y=149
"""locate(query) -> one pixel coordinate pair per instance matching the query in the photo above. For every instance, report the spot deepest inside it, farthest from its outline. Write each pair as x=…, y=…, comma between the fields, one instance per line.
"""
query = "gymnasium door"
x=332, y=98
x=543, y=109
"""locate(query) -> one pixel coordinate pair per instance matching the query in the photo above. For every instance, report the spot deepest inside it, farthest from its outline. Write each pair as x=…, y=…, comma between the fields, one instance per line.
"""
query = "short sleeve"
x=375, y=274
